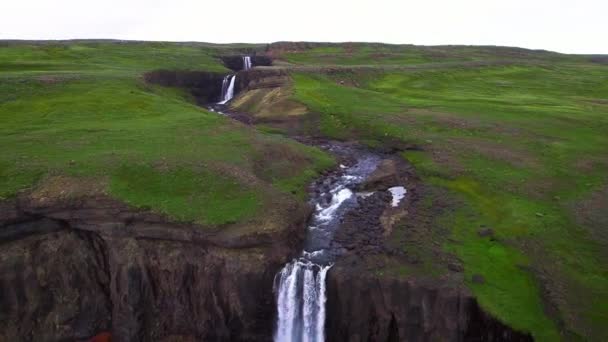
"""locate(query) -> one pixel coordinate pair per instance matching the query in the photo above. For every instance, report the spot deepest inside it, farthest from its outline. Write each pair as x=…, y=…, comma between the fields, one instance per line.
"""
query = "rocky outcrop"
x=73, y=270
x=385, y=176
x=261, y=78
x=380, y=308
x=53, y=286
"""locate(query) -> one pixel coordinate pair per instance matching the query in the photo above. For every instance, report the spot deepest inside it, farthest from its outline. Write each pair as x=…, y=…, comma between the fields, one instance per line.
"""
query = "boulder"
x=485, y=232
x=385, y=176
x=478, y=279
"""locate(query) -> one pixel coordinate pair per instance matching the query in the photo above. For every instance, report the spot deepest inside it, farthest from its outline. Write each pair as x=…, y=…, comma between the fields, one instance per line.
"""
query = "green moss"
x=520, y=144
x=383, y=55
x=296, y=184
x=509, y=289
x=187, y=195
x=95, y=118
x=424, y=163
x=106, y=57
x=506, y=141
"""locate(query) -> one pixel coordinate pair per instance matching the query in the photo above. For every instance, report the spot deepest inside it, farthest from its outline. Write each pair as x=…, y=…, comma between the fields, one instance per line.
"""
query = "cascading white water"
x=301, y=302
x=227, y=88
x=300, y=286
x=246, y=62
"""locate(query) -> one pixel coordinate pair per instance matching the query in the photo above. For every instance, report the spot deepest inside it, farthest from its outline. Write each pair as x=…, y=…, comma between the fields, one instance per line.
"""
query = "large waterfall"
x=246, y=62
x=301, y=302
x=300, y=286
x=227, y=88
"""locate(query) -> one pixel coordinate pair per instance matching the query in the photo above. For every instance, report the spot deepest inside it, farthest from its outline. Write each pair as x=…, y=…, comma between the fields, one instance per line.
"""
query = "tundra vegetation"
x=514, y=140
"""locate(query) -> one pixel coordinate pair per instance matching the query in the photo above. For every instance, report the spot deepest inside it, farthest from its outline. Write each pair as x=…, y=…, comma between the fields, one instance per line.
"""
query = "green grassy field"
x=373, y=54
x=83, y=111
x=522, y=147
x=516, y=139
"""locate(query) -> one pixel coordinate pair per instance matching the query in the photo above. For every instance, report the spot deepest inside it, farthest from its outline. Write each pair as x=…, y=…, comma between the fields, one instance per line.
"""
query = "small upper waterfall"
x=227, y=88
x=300, y=286
x=228, y=82
x=247, y=62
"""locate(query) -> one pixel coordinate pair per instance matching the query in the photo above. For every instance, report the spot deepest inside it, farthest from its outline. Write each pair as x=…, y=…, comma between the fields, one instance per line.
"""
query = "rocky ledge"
x=71, y=270
x=380, y=308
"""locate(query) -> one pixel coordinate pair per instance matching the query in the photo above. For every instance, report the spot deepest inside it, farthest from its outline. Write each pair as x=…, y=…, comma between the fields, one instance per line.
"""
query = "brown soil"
x=268, y=103
x=591, y=214
x=496, y=151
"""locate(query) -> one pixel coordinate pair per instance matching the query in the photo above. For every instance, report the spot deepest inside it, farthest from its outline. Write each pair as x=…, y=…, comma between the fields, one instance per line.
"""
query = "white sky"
x=571, y=26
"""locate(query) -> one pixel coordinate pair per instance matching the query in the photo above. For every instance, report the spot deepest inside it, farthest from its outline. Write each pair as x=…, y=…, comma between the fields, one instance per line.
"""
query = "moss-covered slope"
x=516, y=139
x=83, y=110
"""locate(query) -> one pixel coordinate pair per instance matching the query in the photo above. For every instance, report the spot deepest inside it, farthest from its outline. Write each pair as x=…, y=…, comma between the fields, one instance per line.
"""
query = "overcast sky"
x=572, y=26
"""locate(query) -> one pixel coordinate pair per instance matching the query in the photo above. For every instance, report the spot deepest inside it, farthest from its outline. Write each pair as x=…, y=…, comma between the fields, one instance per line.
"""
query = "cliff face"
x=206, y=87
x=379, y=308
x=72, y=271
x=260, y=78
x=235, y=62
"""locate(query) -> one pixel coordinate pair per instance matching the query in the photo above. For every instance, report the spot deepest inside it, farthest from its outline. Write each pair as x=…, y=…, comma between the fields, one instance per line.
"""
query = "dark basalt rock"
x=485, y=232
x=390, y=172
x=53, y=286
x=478, y=279
x=206, y=87
x=455, y=267
x=74, y=270
x=367, y=303
x=235, y=62
x=365, y=307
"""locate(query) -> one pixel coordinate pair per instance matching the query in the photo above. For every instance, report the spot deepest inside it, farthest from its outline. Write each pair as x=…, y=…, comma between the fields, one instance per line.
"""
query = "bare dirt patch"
x=58, y=188
x=269, y=103
x=447, y=157
x=590, y=164
x=459, y=121
x=493, y=150
x=591, y=214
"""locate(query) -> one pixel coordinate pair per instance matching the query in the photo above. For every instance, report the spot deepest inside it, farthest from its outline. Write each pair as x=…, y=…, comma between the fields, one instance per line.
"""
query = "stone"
x=485, y=232
x=384, y=177
x=478, y=279
x=455, y=267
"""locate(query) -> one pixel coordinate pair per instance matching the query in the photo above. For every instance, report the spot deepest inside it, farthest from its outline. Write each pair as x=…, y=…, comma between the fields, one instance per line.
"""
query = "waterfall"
x=246, y=62
x=227, y=88
x=301, y=302
x=300, y=285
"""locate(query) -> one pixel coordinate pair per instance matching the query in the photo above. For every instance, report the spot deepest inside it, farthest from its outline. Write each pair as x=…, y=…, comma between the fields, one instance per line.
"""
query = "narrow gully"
x=300, y=285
